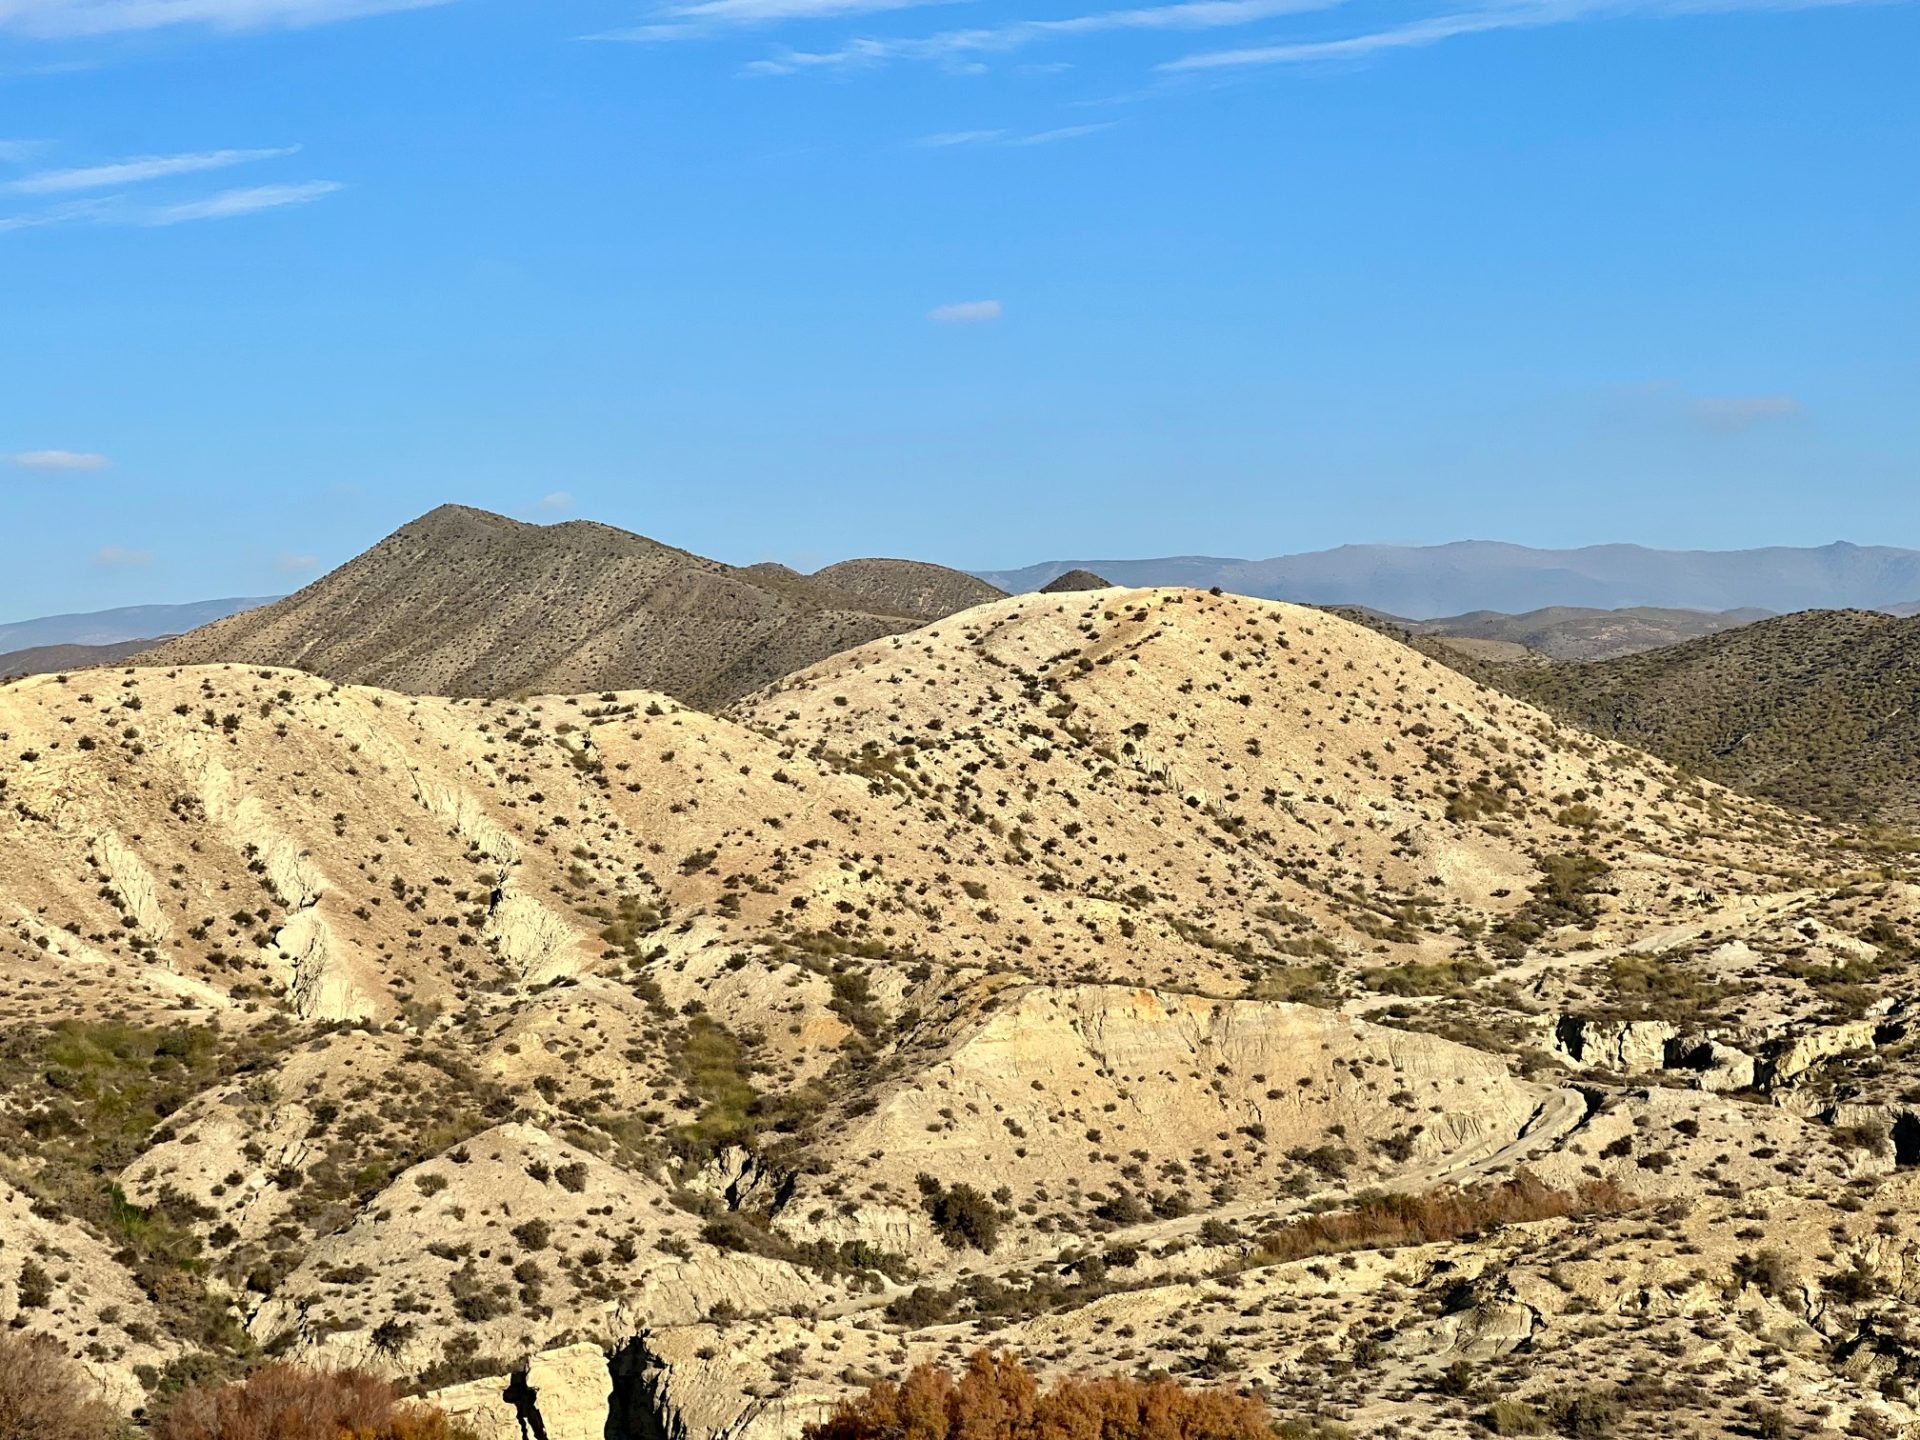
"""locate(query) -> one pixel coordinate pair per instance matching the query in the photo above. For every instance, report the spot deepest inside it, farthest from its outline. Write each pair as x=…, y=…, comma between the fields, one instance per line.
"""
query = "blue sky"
x=986, y=281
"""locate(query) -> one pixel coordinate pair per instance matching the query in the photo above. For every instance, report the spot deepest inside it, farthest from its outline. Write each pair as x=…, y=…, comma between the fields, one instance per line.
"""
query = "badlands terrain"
x=1133, y=979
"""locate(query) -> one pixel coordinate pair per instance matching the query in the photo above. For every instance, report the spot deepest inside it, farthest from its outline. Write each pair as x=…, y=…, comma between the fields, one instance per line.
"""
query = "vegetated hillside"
x=1135, y=978
x=909, y=587
x=1819, y=710
x=110, y=627
x=45, y=659
x=462, y=602
x=1429, y=580
x=1564, y=632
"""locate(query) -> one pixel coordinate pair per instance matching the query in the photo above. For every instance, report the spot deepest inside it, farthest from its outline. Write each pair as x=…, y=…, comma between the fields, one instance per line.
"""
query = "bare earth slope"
x=1036, y=975
x=462, y=602
x=909, y=587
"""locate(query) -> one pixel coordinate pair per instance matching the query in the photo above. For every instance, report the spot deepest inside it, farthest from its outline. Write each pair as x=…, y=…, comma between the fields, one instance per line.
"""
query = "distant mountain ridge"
x=463, y=602
x=1570, y=632
x=131, y=622
x=46, y=659
x=1446, y=580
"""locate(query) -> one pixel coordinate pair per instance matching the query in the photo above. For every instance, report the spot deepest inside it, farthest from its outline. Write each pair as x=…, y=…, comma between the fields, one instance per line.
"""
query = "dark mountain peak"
x=465, y=602
x=1075, y=580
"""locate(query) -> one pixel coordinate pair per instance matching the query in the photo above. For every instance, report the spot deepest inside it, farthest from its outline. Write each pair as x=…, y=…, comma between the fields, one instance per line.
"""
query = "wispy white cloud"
x=19, y=152
x=952, y=45
x=1063, y=132
x=560, y=502
x=1431, y=30
x=1729, y=414
x=121, y=557
x=118, y=210
x=229, y=203
x=702, y=17
x=136, y=170
x=955, y=139
x=63, y=460
x=947, y=139
x=75, y=19
x=965, y=312
x=291, y=564
x=54, y=215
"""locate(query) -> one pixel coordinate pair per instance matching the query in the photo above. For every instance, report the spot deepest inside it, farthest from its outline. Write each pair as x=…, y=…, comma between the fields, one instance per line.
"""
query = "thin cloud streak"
x=70, y=461
x=1431, y=31
x=948, y=139
x=955, y=139
x=82, y=19
x=999, y=39
x=1064, y=132
x=137, y=170
x=966, y=312
x=229, y=203
x=1730, y=414
x=56, y=215
x=225, y=205
x=705, y=17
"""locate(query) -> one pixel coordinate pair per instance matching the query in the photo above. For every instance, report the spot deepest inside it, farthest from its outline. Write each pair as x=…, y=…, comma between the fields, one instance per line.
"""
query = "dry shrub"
x=1378, y=1222
x=285, y=1402
x=997, y=1398
x=45, y=1396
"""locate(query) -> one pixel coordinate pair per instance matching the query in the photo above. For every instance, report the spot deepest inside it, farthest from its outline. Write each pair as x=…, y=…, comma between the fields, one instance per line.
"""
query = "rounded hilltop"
x=1075, y=580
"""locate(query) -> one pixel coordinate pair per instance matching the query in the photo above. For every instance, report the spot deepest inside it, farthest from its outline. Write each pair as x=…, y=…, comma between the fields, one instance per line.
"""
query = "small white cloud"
x=69, y=460
x=1725, y=414
x=121, y=557
x=136, y=170
x=288, y=564
x=965, y=312
x=558, y=503
x=229, y=203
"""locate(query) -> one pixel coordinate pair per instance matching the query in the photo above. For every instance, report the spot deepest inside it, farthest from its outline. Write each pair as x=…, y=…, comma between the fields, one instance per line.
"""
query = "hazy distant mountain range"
x=132, y=622
x=1430, y=580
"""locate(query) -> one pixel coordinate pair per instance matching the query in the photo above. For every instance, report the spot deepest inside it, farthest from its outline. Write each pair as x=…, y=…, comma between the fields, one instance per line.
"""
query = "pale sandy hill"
x=1134, y=910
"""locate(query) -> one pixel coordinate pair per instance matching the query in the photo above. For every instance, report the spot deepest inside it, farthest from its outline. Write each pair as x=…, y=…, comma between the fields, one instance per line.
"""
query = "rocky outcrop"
x=1628, y=1047
x=559, y=1395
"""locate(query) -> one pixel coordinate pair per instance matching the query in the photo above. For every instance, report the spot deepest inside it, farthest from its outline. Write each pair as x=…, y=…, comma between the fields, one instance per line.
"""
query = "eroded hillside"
x=1092, y=962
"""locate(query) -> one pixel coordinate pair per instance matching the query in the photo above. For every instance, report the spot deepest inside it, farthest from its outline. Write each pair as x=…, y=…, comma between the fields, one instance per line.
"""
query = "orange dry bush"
x=45, y=1396
x=285, y=1402
x=997, y=1398
x=1379, y=1221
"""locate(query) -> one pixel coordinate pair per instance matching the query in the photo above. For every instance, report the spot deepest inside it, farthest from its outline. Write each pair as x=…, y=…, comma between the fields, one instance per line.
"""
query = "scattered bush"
x=961, y=1215
x=285, y=1402
x=1380, y=1221
x=998, y=1398
x=45, y=1396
